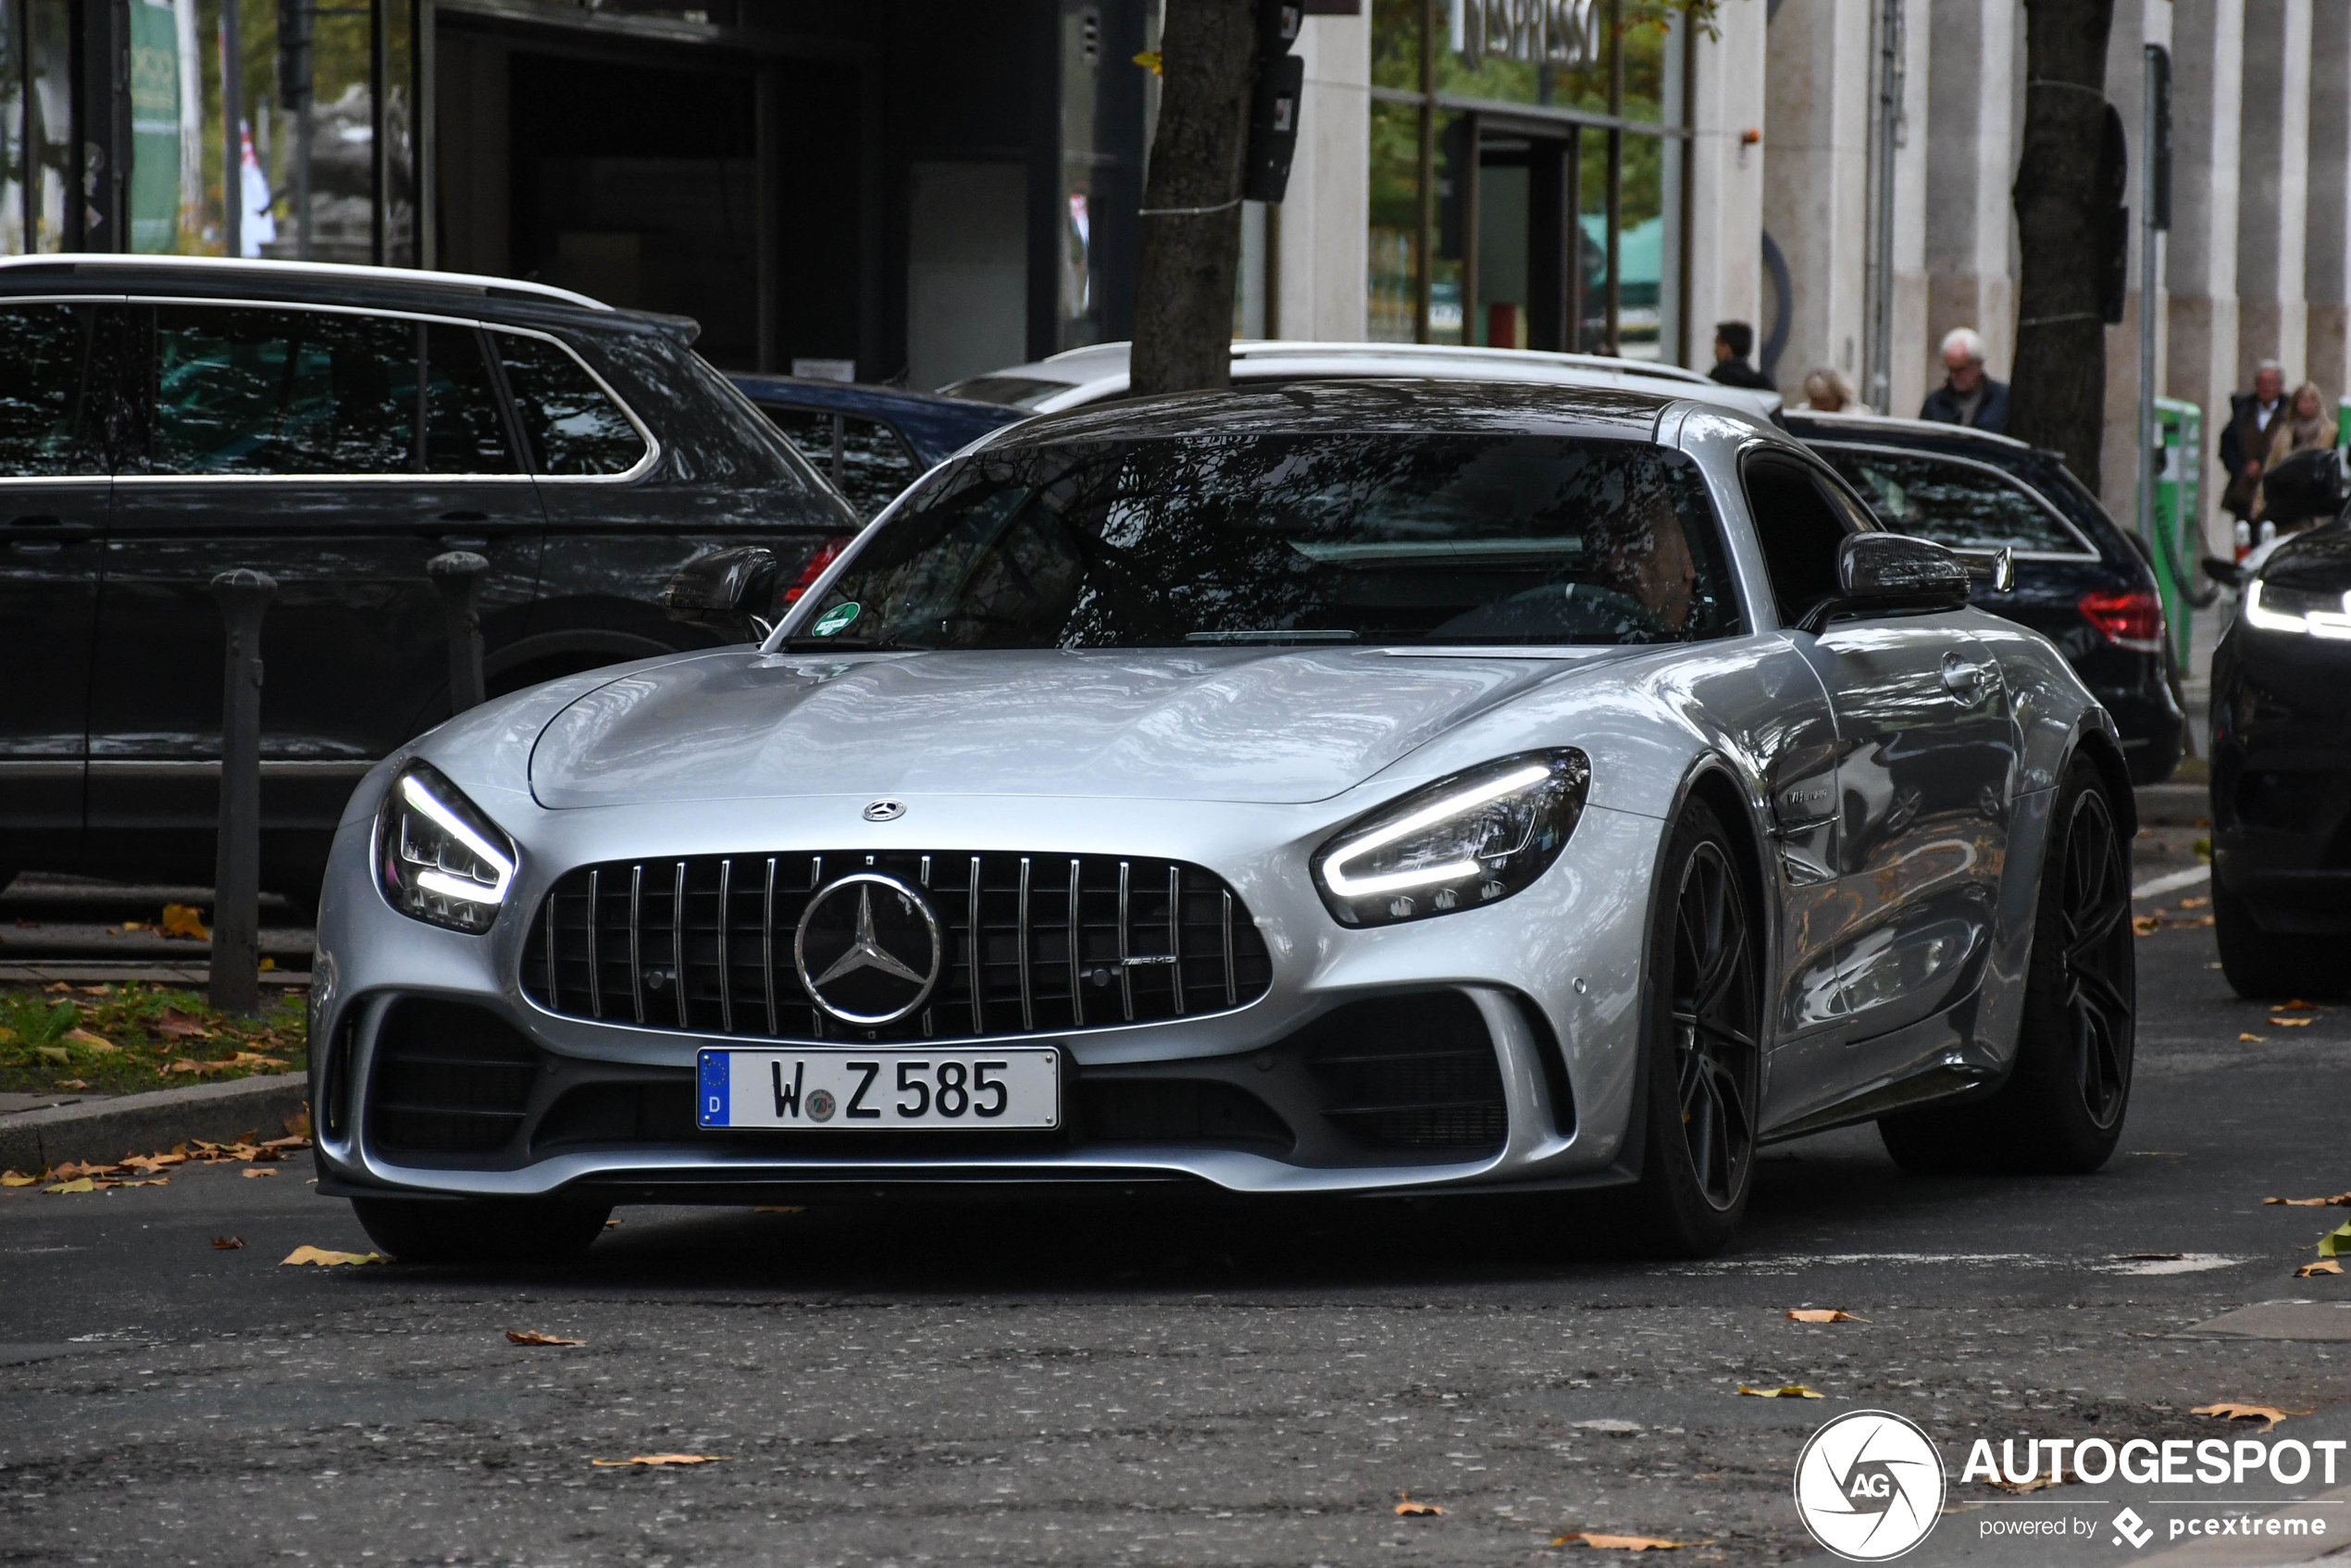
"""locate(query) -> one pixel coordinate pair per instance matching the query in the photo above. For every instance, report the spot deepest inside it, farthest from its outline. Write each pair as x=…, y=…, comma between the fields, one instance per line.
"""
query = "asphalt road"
x=1226, y=1385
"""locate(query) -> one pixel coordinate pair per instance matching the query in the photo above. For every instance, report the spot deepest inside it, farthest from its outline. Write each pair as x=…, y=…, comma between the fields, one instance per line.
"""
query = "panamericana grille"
x=1033, y=942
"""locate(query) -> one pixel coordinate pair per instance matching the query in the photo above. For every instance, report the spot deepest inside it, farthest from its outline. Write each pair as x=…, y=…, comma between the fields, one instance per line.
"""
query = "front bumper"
x=1530, y=1007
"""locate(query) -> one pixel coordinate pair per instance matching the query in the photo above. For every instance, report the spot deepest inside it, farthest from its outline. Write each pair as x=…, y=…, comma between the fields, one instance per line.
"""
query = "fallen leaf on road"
x=1408, y=1509
x=81, y=1184
x=2331, y=1244
x=1618, y=1543
x=2340, y=1200
x=228, y=1243
x=532, y=1337
x=657, y=1459
x=2194, y=903
x=89, y=1042
x=2292, y=1022
x=1785, y=1391
x=297, y=1127
x=1822, y=1314
x=173, y=1024
x=2325, y=1265
x=84, y=1168
x=325, y=1259
x=2297, y=1006
x=252, y=1171
x=152, y=1162
x=2254, y=1037
x=180, y=920
x=73, y=1083
x=2269, y=1414
x=2145, y=925
x=13, y=1179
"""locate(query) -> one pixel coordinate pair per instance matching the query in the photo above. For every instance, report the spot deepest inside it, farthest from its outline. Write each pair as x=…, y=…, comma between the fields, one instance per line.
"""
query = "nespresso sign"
x=1542, y=32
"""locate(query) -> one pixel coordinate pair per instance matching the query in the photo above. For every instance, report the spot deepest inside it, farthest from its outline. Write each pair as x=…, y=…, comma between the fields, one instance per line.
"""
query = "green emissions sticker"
x=840, y=616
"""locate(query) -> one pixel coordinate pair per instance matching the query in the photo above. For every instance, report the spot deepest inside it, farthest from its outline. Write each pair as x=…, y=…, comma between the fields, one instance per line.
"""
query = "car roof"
x=309, y=281
x=1100, y=369
x=1901, y=432
x=1398, y=406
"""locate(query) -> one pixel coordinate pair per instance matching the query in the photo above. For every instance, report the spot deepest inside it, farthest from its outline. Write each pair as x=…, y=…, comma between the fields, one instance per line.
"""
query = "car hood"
x=1257, y=724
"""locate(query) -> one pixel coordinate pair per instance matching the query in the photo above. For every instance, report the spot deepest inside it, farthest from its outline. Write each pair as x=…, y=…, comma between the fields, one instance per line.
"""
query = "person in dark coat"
x=1733, y=340
x=2252, y=422
x=1967, y=397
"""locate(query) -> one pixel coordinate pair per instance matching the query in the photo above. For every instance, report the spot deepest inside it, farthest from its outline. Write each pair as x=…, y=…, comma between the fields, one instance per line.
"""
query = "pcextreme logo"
x=1870, y=1486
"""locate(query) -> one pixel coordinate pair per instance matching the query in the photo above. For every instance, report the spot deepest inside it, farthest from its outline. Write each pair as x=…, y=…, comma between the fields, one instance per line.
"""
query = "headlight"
x=1460, y=842
x=2319, y=612
x=437, y=858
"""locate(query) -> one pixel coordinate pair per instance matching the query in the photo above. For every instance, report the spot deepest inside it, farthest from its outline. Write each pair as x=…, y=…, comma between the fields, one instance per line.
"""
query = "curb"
x=104, y=1130
x=2173, y=805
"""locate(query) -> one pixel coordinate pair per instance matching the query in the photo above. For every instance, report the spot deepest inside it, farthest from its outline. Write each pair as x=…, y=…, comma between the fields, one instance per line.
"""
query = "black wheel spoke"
x=2096, y=960
x=1713, y=1012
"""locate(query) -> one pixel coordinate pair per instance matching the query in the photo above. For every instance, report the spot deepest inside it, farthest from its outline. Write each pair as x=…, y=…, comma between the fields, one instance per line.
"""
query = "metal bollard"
x=236, y=880
x=458, y=576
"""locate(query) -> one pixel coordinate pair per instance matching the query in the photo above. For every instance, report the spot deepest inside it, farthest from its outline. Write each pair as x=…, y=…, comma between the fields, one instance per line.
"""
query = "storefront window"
x=1556, y=208
x=48, y=125
x=12, y=164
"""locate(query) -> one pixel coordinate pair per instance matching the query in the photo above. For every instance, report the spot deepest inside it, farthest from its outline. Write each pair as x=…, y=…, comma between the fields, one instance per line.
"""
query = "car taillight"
x=827, y=554
x=2127, y=620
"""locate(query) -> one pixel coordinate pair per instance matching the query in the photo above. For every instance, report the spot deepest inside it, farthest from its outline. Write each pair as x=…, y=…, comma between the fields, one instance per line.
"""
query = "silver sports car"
x=1373, y=787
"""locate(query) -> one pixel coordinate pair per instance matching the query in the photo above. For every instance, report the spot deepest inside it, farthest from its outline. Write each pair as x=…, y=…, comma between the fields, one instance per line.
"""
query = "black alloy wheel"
x=1704, y=1067
x=1714, y=1051
x=2062, y=1106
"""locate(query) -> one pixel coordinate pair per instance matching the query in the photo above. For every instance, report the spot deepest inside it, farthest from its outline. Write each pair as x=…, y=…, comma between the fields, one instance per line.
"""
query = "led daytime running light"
x=2333, y=624
x=1334, y=872
x=435, y=880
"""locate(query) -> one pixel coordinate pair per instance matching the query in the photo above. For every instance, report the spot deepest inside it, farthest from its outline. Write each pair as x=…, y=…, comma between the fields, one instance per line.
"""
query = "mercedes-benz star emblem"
x=885, y=810
x=868, y=949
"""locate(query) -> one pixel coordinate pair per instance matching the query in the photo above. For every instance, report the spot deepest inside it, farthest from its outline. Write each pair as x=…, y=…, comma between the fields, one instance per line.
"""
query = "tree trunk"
x=1191, y=202
x=2057, y=392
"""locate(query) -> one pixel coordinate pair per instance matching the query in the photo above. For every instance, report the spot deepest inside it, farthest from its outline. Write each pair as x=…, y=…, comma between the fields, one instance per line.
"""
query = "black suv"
x=164, y=420
x=2082, y=580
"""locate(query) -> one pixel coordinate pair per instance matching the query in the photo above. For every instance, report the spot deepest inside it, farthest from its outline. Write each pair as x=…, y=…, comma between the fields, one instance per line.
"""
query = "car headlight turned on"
x=2316, y=612
x=1462, y=842
x=439, y=859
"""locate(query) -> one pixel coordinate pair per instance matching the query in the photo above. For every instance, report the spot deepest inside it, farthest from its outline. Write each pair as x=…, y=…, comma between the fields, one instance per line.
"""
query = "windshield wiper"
x=854, y=644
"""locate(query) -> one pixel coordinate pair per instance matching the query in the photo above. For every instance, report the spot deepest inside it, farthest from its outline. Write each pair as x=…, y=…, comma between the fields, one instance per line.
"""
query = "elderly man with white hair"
x=1967, y=397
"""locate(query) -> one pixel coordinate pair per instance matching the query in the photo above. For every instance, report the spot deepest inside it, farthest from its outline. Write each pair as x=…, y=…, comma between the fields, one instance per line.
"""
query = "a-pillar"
x=2136, y=24
x=1975, y=59
x=1816, y=182
x=1726, y=160
x=2208, y=78
x=2273, y=192
x=2326, y=273
x=1322, y=227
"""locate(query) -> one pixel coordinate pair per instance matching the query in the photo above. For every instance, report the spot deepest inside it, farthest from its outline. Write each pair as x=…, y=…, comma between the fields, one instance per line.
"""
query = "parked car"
x=872, y=441
x=1386, y=786
x=2082, y=580
x=2282, y=770
x=168, y=418
x=1083, y=375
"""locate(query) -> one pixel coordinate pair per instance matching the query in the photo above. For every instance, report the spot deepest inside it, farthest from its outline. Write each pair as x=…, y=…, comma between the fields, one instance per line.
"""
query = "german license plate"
x=869, y=1090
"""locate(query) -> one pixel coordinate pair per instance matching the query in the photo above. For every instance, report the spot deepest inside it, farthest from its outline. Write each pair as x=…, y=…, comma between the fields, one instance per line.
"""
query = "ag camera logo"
x=1870, y=1486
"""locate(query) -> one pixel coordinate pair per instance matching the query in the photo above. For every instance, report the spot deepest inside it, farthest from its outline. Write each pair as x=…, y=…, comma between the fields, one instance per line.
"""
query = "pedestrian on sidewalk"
x=1733, y=340
x=2301, y=482
x=1967, y=397
x=2254, y=418
x=1826, y=391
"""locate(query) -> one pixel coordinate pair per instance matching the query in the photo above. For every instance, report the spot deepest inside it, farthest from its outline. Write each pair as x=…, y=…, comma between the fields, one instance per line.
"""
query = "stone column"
x=1726, y=182
x=2136, y=24
x=1975, y=99
x=1322, y=226
x=2274, y=187
x=2326, y=269
x=1912, y=351
x=1818, y=93
x=2207, y=77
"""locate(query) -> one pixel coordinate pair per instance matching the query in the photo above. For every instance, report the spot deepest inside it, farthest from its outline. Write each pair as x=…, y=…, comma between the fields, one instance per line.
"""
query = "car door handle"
x=1965, y=680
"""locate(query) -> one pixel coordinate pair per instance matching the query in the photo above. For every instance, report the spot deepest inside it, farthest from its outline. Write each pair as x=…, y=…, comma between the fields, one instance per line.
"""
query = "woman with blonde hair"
x=1825, y=392
x=2305, y=427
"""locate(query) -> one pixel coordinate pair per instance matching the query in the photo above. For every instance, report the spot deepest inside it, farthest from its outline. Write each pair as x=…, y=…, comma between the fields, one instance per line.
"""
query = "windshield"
x=1208, y=539
x=1012, y=392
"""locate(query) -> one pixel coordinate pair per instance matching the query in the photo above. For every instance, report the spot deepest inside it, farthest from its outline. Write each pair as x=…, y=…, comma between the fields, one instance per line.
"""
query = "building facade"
x=930, y=190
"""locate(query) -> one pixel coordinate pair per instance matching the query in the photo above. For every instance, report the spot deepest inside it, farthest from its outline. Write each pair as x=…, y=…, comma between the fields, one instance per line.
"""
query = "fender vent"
x=449, y=1079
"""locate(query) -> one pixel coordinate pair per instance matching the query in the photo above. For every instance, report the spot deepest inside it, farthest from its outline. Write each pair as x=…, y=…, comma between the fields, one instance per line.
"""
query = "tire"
x=2062, y=1107
x=2273, y=965
x=1700, y=1023
x=481, y=1232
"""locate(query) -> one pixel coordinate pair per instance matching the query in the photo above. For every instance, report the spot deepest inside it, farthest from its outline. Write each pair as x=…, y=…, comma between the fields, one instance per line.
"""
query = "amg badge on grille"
x=868, y=949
